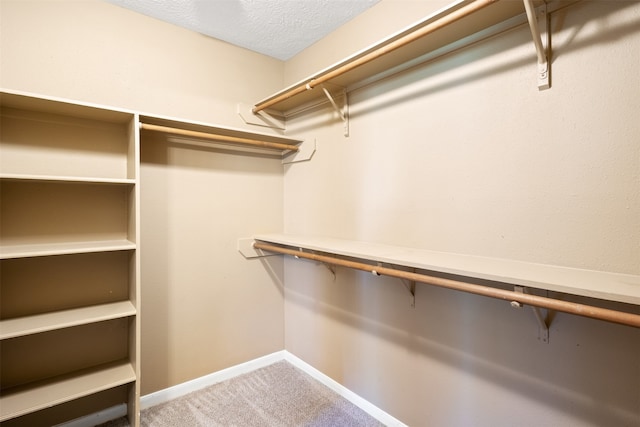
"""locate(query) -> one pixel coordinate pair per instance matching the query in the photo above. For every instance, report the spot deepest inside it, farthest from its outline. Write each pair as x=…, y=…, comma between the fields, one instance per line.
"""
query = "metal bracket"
x=261, y=118
x=305, y=152
x=245, y=247
x=539, y=23
x=543, y=330
x=409, y=284
x=332, y=269
x=411, y=287
x=343, y=110
x=374, y=272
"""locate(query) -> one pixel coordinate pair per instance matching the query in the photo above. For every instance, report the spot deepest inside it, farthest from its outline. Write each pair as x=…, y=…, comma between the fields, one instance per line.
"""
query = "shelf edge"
x=39, y=250
x=27, y=325
x=63, y=179
x=534, y=275
x=28, y=399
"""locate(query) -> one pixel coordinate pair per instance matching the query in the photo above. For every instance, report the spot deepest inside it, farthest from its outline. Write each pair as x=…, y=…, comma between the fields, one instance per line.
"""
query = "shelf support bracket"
x=411, y=287
x=542, y=324
x=261, y=118
x=331, y=268
x=539, y=25
x=409, y=284
x=246, y=249
x=343, y=112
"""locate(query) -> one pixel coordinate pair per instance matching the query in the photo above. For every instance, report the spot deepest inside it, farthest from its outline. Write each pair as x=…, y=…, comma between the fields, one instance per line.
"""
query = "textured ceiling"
x=277, y=28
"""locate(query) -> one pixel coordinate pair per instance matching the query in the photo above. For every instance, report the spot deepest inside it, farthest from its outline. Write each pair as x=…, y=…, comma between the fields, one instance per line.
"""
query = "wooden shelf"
x=217, y=130
x=481, y=24
x=21, y=326
x=48, y=249
x=288, y=150
x=589, y=283
x=33, y=397
x=69, y=179
x=43, y=104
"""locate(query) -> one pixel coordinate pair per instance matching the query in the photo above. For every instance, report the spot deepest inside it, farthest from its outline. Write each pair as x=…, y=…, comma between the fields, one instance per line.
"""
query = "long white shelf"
x=589, y=283
x=44, y=394
x=26, y=325
x=70, y=179
x=47, y=249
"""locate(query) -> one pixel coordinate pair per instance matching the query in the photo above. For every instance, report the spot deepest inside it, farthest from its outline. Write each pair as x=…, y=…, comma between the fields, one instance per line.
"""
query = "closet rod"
x=221, y=138
x=599, y=313
x=382, y=50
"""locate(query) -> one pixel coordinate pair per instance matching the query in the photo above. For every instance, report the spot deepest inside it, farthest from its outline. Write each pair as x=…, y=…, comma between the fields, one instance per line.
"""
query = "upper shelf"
x=59, y=107
x=69, y=179
x=590, y=283
x=288, y=149
x=211, y=132
x=459, y=24
x=38, y=249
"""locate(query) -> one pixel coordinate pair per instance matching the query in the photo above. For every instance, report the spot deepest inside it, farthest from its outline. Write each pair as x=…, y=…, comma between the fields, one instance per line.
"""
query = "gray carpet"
x=279, y=395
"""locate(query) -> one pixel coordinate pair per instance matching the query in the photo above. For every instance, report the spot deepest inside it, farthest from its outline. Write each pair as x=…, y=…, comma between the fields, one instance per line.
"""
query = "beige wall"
x=366, y=29
x=204, y=308
x=466, y=155
x=93, y=51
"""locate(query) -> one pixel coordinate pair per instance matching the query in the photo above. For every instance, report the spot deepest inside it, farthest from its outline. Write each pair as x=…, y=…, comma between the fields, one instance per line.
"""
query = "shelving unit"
x=385, y=259
x=453, y=27
x=69, y=229
x=69, y=251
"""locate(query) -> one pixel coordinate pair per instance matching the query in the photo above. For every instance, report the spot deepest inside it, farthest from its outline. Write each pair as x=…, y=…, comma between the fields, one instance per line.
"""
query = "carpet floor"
x=279, y=395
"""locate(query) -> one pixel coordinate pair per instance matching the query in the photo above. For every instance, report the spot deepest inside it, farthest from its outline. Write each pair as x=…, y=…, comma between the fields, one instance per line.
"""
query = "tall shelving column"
x=69, y=254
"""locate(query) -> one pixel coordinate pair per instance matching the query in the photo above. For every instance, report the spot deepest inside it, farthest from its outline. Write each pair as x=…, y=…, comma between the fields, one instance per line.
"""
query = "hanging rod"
x=217, y=137
x=383, y=50
x=599, y=313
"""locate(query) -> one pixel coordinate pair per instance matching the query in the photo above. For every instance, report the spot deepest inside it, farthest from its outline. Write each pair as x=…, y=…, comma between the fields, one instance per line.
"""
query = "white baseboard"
x=327, y=381
x=179, y=390
x=96, y=418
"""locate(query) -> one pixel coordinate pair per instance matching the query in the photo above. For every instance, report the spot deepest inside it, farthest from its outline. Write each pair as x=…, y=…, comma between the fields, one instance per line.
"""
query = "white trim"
x=96, y=418
x=178, y=390
x=344, y=392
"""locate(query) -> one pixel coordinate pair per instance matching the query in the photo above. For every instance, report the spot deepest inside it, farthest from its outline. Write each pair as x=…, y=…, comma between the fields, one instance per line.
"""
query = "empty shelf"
x=26, y=325
x=217, y=134
x=618, y=287
x=70, y=179
x=47, y=249
x=33, y=397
